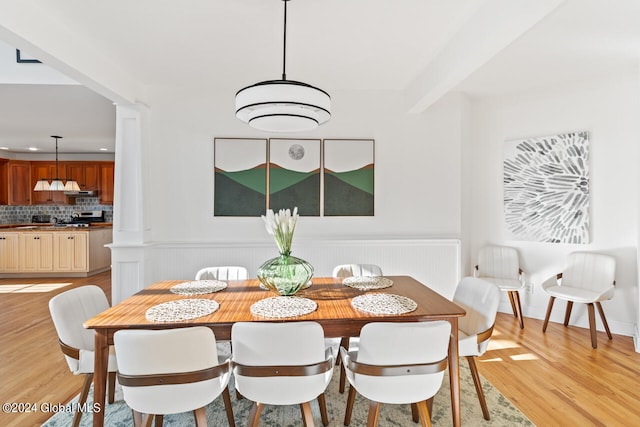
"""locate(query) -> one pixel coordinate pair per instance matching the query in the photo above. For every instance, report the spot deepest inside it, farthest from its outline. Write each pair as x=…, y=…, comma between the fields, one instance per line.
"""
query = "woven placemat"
x=198, y=287
x=282, y=307
x=183, y=309
x=384, y=304
x=367, y=283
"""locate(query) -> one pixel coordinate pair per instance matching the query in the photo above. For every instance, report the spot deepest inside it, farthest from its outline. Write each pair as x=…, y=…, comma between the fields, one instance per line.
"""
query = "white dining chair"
x=281, y=364
x=352, y=270
x=480, y=299
x=588, y=278
x=69, y=310
x=222, y=273
x=171, y=371
x=500, y=266
x=397, y=363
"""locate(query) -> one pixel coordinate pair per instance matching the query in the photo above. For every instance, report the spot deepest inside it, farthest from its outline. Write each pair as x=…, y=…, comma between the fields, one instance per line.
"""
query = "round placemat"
x=183, y=309
x=281, y=307
x=367, y=283
x=198, y=287
x=384, y=303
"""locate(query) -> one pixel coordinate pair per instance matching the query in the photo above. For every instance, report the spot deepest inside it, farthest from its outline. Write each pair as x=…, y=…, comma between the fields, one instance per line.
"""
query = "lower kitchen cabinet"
x=9, y=252
x=36, y=252
x=70, y=251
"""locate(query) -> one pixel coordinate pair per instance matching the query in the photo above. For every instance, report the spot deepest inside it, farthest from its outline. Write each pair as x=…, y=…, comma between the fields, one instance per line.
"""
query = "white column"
x=129, y=250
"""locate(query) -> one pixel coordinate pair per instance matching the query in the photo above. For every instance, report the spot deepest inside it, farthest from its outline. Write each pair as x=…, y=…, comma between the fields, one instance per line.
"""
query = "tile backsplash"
x=23, y=214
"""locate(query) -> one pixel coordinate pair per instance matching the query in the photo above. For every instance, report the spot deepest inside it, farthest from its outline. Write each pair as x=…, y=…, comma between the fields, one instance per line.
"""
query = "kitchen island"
x=44, y=250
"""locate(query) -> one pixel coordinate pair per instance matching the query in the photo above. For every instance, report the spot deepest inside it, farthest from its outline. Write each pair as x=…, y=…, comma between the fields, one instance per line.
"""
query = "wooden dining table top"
x=334, y=312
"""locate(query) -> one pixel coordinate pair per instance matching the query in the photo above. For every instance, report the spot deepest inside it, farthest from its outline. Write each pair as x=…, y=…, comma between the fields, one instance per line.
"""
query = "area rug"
x=503, y=413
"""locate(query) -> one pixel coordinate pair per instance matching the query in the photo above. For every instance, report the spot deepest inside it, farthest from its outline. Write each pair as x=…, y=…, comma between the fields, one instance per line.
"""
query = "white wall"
x=417, y=167
x=608, y=108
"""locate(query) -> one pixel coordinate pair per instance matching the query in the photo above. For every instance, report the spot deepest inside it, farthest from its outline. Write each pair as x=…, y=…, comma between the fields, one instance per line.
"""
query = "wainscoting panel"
x=435, y=263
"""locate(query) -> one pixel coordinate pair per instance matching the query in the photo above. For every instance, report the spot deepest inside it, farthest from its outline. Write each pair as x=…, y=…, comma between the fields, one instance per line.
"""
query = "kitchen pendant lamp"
x=56, y=183
x=283, y=105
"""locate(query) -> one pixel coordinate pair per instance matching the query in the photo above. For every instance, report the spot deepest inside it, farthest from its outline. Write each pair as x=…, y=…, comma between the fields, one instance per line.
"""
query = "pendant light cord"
x=56, y=137
x=284, y=47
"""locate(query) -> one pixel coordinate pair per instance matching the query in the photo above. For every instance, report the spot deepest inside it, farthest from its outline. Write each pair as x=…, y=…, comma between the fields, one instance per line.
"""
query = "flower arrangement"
x=281, y=226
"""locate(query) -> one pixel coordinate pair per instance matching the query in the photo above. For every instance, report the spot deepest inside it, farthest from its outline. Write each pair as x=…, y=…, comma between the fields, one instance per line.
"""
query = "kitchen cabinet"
x=86, y=174
x=44, y=170
x=16, y=180
x=106, y=183
x=9, y=252
x=70, y=251
x=36, y=252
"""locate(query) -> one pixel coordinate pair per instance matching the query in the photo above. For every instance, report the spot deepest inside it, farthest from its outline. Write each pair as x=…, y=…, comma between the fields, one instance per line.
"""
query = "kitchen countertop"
x=51, y=227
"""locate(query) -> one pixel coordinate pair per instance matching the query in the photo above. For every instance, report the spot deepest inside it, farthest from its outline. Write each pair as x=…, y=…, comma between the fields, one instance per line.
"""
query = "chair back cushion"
x=149, y=352
x=394, y=343
x=498, y=262
x=480, y=300
x=279, y=344
x=349, y=270
x=222, y=273
x=69, y=310
x=588, y=270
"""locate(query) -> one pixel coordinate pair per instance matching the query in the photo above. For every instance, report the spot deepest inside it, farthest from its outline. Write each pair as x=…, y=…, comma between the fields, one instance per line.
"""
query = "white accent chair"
x=480, y=299
x=281, y=364
x=222, y=273
x=352, y=270
x=69, y=310
x=171, y=371
x=397, y=363
x=500, y=266
x=588, y=278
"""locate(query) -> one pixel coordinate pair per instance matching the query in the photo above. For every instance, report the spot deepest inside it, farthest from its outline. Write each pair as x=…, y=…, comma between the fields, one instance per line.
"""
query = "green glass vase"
x=285, y=274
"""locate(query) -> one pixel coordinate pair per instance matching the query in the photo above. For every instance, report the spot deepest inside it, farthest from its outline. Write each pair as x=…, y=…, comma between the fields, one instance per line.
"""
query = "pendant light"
x=283, y=105
x=56, y=183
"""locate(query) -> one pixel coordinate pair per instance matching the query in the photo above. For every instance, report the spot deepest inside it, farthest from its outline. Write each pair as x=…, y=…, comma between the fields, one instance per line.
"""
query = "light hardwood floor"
x=556, y=378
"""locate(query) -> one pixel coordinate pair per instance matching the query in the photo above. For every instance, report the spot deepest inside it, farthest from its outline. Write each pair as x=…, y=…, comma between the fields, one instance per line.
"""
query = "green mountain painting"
x=349, y=193
x=240, y=193
x=289, y=188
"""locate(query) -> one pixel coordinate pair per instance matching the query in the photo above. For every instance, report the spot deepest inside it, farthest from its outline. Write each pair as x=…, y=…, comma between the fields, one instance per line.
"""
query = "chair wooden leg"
x=159, y=420
x=200, y=416
x=516, y=298
x=322, y=403
x=546, y=318
x=226, y=397
x=415, y=415
x=111, y=386
x=476, y=381
x=592, y=325
x=430, y=405
x=513, y=303
x=374, y=414
x=350, y=400
x=88, y=379
x=307, y=416
x=344, y=342
x=254, y=415
x=146, y=420
x=604, y=320
x=567, y=313
x=425, y=415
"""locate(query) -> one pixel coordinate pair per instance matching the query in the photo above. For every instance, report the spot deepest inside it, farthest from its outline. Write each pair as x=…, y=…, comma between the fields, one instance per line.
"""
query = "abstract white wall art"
x=546, y=188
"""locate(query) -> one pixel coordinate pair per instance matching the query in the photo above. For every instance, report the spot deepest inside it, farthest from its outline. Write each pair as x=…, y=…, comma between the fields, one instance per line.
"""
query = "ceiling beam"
x=495, y=25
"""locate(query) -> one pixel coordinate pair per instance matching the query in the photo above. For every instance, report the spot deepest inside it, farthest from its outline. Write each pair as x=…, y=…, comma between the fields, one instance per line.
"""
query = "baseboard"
x=636, y=339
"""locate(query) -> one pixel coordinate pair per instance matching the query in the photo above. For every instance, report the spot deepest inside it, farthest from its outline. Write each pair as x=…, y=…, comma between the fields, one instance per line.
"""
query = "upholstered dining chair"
x=588, y=278
x=281, y=364
x=500, y=266
x=397, y=363
x=351, y=270
x=69, y=310
x=171, y=371
x=480, y=299
x=222, y=273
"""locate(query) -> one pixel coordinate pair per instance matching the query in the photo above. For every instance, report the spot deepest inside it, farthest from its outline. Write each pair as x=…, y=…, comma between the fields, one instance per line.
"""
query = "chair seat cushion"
x=579, y=294
x=505, y=284
x=468, y=344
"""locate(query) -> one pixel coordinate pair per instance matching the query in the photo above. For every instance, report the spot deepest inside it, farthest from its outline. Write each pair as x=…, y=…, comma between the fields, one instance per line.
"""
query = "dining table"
x=335, y=312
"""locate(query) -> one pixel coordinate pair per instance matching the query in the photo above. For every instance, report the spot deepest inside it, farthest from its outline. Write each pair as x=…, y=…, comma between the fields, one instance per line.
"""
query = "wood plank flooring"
x=556, y=378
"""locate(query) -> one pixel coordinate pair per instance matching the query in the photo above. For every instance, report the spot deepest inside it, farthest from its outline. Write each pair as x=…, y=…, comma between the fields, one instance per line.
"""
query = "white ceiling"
x=408, y=45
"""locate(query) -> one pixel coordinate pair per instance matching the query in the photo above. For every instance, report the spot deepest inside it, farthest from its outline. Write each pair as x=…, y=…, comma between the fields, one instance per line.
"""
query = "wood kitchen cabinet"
x=9, y=252
x=70, y=251
x=43, y=170
x=36, y=252
x=86, y=174
x=18, y=183
x=106, y=183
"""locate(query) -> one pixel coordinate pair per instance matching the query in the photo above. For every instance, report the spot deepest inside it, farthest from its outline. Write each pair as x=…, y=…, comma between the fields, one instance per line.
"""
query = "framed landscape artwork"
x=348, y=177
x=240, y=177
x=294, y=175
x=546, y=188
